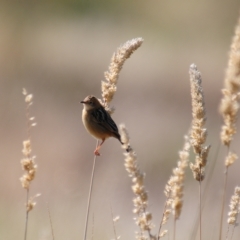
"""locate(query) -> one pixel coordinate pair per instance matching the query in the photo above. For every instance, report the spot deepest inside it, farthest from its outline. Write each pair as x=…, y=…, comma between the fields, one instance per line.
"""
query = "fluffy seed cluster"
x=109, y=86
x=234, y=207
x=198, y=132
x=230, y=102
x=31, y=204
x=174, y=188
x=163, y=233
x=230, y=159
x=177, y=179
x=28, y=163
x=166, y=213
x=144, y=218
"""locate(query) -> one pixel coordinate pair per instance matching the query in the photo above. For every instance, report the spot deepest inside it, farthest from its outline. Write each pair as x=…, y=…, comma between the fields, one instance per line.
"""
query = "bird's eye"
x=90, y=102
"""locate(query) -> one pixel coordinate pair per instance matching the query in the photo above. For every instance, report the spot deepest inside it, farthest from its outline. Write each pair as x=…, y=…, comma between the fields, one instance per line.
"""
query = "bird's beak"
x=82, y=102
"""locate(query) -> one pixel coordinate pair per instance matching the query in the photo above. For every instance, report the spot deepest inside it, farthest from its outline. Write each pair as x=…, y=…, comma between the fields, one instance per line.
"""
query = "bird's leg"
x=96, y=152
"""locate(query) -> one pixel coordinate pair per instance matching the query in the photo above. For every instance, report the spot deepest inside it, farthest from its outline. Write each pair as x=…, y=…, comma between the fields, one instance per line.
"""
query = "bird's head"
x=90, y=102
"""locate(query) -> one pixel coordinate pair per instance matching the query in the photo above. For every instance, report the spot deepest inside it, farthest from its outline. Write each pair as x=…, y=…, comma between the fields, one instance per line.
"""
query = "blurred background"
x=58, y=51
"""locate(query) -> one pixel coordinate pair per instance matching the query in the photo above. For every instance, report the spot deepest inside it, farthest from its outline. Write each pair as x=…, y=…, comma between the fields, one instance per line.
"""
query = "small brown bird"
x=98, y=121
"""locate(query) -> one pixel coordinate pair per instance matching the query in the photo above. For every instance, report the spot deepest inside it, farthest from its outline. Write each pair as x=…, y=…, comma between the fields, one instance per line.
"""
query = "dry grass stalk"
x=92, y=235
x=28, y=163
x=140, y=201
x=51, y=223
x=177, y=179
x=234, y=210
x=198, y=132
x=90, y=196
x=229, y=108
x=230, y=102
x=114, y=221
x=109, y=87
x=166, y=213
x=234, y=207
x=174, y=188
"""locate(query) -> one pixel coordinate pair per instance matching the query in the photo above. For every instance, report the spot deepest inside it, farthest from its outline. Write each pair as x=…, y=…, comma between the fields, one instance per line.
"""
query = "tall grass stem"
x=200, y=209
x=90, y=196
x=26, y=220
x=223, y=202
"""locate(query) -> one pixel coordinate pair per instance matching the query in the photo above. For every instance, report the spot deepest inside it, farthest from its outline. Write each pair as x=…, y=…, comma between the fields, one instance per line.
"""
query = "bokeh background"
x=59, y=50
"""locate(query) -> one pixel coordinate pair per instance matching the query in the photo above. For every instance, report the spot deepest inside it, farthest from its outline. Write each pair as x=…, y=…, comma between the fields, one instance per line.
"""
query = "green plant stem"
x=90, y=196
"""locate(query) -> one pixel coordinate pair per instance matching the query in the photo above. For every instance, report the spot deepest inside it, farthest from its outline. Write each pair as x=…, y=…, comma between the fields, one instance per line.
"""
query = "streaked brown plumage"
x=98, y=121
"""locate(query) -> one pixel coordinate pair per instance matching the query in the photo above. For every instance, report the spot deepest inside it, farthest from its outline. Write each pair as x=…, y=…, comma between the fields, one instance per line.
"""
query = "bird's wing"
x=103, y=118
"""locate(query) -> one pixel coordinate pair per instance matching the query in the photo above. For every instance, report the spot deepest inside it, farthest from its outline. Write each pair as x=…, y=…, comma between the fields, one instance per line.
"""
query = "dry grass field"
x=59, y=51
